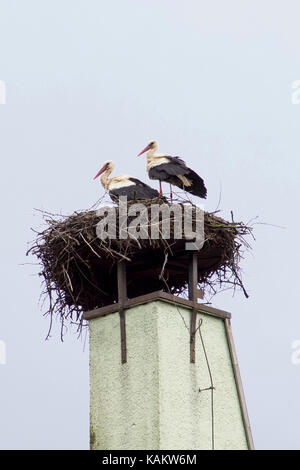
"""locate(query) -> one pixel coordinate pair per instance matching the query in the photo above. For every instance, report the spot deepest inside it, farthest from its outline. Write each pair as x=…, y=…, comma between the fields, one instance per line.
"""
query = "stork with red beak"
x=172, y=170
x=124, y=185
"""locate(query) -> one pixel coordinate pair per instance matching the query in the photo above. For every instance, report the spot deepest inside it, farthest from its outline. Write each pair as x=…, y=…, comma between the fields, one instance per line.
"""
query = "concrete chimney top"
x=149, y=393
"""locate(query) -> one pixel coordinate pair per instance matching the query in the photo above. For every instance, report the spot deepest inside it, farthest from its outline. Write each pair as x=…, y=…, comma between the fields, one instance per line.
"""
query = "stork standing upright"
x=172, y=170
x=124, y=185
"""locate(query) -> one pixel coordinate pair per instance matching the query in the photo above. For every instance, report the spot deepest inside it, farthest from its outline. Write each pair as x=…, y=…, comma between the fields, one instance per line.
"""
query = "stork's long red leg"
x=171, y=193
x=160, y=188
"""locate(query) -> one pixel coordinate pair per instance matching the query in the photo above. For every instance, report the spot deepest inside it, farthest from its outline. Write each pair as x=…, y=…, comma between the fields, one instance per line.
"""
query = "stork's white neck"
x=105, y=180
x=152, y=157
x=153, y=149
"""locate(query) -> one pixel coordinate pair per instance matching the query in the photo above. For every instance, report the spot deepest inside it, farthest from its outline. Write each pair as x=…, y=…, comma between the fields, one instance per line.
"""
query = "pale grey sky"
x=88, y=81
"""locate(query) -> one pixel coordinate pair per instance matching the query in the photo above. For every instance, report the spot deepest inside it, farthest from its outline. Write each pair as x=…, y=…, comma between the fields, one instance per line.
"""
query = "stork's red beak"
x=100, y=172
x=145, y=150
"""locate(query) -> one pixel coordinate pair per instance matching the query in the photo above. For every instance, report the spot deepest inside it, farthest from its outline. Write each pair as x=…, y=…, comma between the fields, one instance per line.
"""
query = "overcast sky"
x=90, y=80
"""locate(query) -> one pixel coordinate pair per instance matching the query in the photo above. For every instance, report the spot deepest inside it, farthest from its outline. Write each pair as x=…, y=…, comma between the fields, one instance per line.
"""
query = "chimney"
x=158, y=382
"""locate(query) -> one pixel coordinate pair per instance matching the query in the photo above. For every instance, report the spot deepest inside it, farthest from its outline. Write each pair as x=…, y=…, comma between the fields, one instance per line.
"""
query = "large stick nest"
x=79, y=269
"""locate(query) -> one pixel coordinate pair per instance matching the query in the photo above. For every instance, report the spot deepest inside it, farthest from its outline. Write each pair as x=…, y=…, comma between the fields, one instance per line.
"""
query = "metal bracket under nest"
x=122, y=297
x=194, y=294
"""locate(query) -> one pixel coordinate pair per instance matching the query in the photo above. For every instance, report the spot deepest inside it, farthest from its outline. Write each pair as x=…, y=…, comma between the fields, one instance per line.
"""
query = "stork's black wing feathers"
x=176, y=166
x=169, y=173
x=198, y=187
x=143, y=191
x=139, y=190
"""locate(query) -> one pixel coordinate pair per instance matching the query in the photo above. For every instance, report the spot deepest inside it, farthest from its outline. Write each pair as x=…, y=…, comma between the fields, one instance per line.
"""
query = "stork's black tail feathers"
x=198, y=187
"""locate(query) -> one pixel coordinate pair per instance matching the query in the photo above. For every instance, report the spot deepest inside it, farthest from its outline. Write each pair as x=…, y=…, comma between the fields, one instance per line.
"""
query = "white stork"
x=172, y=170
x=124, y=185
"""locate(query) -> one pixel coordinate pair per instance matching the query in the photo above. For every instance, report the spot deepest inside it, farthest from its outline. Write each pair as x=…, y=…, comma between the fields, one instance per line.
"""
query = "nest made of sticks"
x=79, y=269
